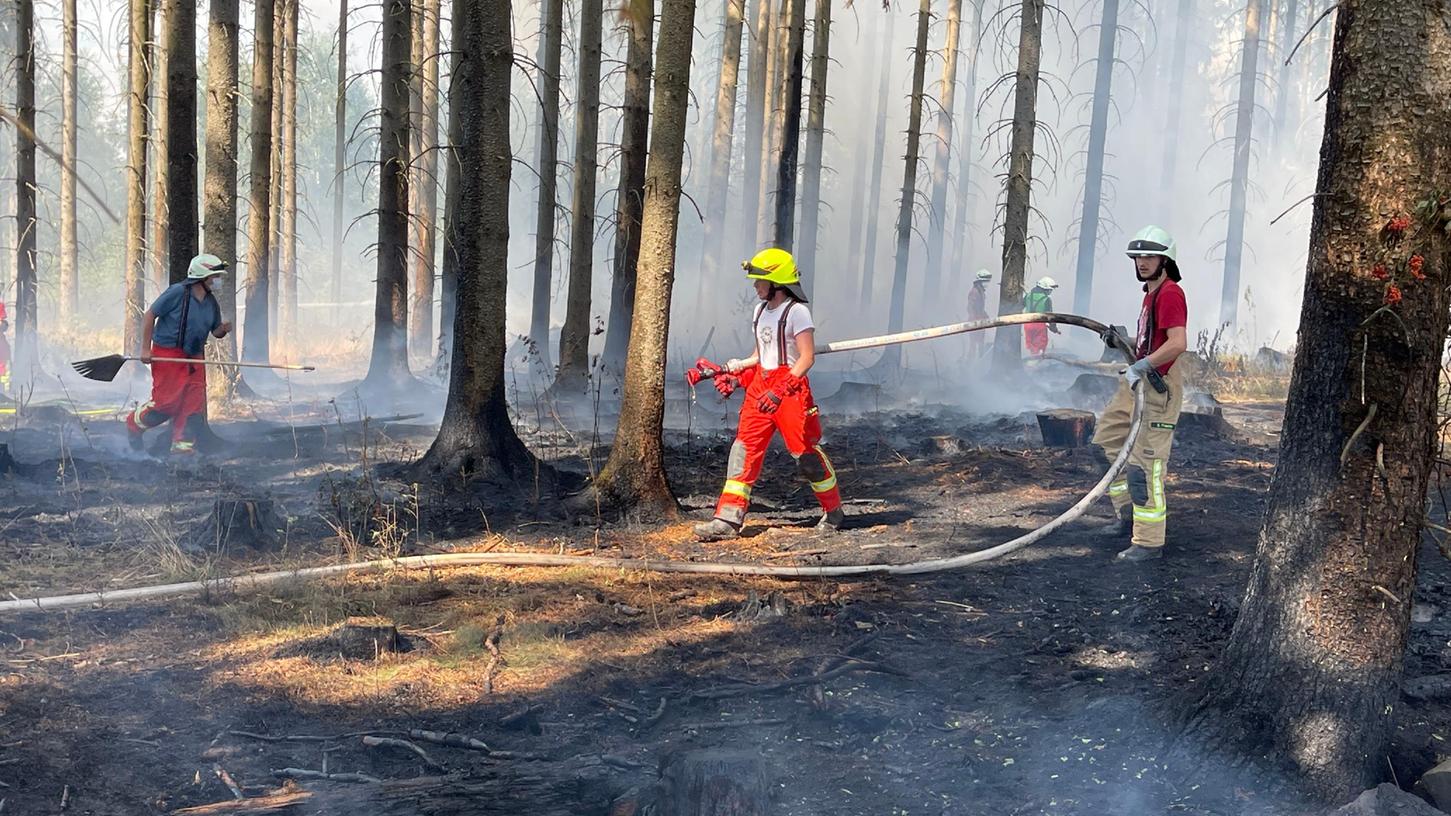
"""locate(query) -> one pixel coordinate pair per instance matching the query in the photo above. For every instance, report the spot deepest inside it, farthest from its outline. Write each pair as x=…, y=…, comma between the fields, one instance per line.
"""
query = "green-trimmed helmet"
x=1047, y=283
x=777, y=267
x=1153, y=240
x=205, y=266
x=984, y=275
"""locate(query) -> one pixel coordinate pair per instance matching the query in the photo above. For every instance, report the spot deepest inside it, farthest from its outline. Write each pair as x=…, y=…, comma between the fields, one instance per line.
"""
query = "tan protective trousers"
x=1141, y=485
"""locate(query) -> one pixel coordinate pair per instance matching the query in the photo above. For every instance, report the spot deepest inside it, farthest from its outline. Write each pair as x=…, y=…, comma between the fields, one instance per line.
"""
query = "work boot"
x=183, y=448
x=1121, y=527
x=135, y=434
x=831, y=522
x=1136, y=553
x=716, y=530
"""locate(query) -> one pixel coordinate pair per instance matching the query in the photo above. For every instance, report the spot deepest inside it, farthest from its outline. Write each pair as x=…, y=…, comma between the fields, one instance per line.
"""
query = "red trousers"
x=1035, y=337
x=799, y=422
x=178, y=392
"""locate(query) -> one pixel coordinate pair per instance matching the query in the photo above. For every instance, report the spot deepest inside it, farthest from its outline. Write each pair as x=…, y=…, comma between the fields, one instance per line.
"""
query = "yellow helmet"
x=776, y=266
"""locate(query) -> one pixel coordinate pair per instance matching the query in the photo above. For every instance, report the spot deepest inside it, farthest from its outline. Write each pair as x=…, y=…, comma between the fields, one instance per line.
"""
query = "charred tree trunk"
x=27, y=355
x=476, y=439
x=448, y=265
x=1313, y=666
x=937, y=218
x=160, y=144
x=426, y=219
x=630, y=200
x=220, y=191
x=1182, y=26
x=1287, y=42
x=139, y=78
x=574, y=337
x=722, y=138
x=388, y=368
x=181, y=112
x=256, y=347
x=279, y=155
x=892, y=356
x=287, y=231
x=757, y=93
x=1093, y=175
x=815, y=137
x=1244, y=119
x=1007, y=342
x=787, y=160
x=964, y=161
x=873, y=206
x=634, y=475
x=547, y=168
x=340, y=159
x=69, y=284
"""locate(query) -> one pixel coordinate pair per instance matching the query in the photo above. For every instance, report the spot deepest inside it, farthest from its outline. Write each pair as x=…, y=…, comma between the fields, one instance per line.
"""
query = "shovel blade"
x=103, y=369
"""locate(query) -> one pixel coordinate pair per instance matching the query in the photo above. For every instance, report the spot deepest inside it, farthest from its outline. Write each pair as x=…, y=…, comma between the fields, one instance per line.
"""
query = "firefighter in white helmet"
x=1138, y=495
x=977, y=310
x=1035, y=335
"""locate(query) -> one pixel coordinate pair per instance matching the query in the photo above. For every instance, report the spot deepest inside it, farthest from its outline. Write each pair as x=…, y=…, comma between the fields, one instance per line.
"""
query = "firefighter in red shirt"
x=778, y=398
x=1138, y=495
x=4, y=352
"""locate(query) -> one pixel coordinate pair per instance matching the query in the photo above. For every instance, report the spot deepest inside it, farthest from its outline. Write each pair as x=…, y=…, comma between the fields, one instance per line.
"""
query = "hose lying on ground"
x=238, y=583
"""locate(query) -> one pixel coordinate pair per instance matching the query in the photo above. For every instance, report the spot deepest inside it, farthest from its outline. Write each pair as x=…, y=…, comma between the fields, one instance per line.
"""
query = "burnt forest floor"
x=1045, y=682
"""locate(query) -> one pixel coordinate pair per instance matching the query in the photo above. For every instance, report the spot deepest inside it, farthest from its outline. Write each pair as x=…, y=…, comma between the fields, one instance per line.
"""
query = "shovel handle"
x=228, y=364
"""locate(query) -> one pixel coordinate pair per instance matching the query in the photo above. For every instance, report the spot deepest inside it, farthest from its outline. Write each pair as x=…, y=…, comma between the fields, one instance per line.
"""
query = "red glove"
x=769, y=403
x=727, y=384
x=793, y=384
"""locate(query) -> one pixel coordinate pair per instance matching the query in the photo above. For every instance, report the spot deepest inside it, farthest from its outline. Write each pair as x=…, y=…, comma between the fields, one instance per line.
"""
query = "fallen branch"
x=461, y=741
x=300, y=737
x=303, y=773
x=227, y=780
x=496, y=658
x=655, y=717
x=389, y=742
x=731, y=724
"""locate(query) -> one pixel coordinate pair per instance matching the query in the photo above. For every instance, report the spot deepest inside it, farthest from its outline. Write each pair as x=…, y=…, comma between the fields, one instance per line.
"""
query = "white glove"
x=1137, y=371
x=735, y=366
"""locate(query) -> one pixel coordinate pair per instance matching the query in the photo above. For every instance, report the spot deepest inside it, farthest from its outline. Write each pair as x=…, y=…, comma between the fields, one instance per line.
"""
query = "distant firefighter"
x=977, y=310
x=1035, y=335
x=4, y=350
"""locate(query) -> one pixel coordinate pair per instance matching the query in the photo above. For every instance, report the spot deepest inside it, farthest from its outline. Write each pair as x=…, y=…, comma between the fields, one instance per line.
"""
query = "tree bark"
x=425, y=187
x=340, y=158
x=574, y=337
x=1313, y=666
x=965, y=195
x=220, y=192
x=26, y=352
x=1282, y=92
x=279, y=155
x=892, y=356
x=815, y=137
x=790, y=139
x=868, y=256
x=448, y=265
x=761, y=229
x=256, y=347
x=160, y=144
x=547, y=167
x=937, y=217
x=756, y=100
x=139, y=79
x=1093, y=175
x=1183, y=24
x=388, y=368
x=287, y=231
x=69, y=283
x=634, y=475
x=722, y=139
x=476, y=438
x=1008, y=341
x=630, y=200
x=1239, y=182
x=181, y=148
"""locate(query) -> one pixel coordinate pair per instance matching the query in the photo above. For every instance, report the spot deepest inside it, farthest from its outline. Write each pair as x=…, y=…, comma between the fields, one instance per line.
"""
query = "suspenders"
x=780, y=331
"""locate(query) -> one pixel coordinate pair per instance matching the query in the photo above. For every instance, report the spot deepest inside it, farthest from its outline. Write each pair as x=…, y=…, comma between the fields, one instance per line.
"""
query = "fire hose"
x=239, y=583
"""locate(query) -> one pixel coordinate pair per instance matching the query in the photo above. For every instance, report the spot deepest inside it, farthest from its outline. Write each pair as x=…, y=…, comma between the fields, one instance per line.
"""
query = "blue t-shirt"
x=202, y=318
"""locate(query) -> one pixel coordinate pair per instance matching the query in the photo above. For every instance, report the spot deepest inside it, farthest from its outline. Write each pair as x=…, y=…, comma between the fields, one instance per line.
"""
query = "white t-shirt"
x=768, y=325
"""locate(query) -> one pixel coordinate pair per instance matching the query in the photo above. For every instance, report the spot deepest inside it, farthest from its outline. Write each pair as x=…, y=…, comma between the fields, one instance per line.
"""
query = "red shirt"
x=1169, y=311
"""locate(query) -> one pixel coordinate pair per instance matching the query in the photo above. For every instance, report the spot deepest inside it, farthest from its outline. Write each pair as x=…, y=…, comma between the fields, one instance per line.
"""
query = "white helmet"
x=1153, y=240
x=205, y=266
x=1046, y=282
x=984, y=275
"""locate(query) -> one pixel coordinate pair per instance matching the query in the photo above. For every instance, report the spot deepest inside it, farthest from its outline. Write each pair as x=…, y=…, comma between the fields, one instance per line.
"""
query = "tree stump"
x=251, y=523
x=708, y=782
x=1065, y=427
x=365, y=639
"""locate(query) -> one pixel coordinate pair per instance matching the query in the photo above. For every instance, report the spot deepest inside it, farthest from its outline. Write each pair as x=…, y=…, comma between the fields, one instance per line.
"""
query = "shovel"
x=105, y=368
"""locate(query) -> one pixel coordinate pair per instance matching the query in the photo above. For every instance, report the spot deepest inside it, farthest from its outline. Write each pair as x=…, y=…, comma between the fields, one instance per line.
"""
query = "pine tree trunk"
x=139, y=79
x=722, y=139
x=279, y=155
x=965, y=195
x=771, y=124
x=634, y=475
x=26, y=352
x=448, y=264
x=69, y=283
x=630, y=201
x=160, y=144
x=1093, y=175
x=755, y=124
x=892, y=356
x=287, y=231
x=426, y=219
x=873, y=208
x=855, y=236
x=181, y=145
x=1282, y=93
x=547, y=167
x=1184, y=22
x=476, y=439
x=787, y=159
x=340, y=158
x=1007, y=342
x=815, y=138
x=937, y=218
x=388, y=367
x=220, y=193
x=1239, y=181
x=574, y=337
x=256, y=347
x=1311, y=673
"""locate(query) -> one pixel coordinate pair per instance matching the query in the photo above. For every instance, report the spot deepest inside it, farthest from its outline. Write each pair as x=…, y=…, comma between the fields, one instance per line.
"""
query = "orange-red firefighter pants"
x=799, y=422
x=178, y=391
x=1035, y=337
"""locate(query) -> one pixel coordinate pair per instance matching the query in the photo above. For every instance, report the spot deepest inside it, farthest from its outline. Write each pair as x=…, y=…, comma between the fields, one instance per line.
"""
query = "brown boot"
x=716, y=530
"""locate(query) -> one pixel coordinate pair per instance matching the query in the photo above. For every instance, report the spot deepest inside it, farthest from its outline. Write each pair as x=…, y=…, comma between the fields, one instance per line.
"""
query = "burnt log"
x=702, y=783
x=1066, y=427
x=365, y=639
x=251, y=523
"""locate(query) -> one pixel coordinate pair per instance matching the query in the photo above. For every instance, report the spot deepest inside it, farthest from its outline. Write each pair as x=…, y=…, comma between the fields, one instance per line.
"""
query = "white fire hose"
x=239, y=583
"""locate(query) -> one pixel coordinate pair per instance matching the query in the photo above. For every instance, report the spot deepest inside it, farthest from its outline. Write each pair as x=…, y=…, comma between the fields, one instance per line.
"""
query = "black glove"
x=768, y=403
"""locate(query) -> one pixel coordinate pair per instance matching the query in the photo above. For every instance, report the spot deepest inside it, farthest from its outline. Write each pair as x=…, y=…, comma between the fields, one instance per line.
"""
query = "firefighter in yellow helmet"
x=778, y=398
